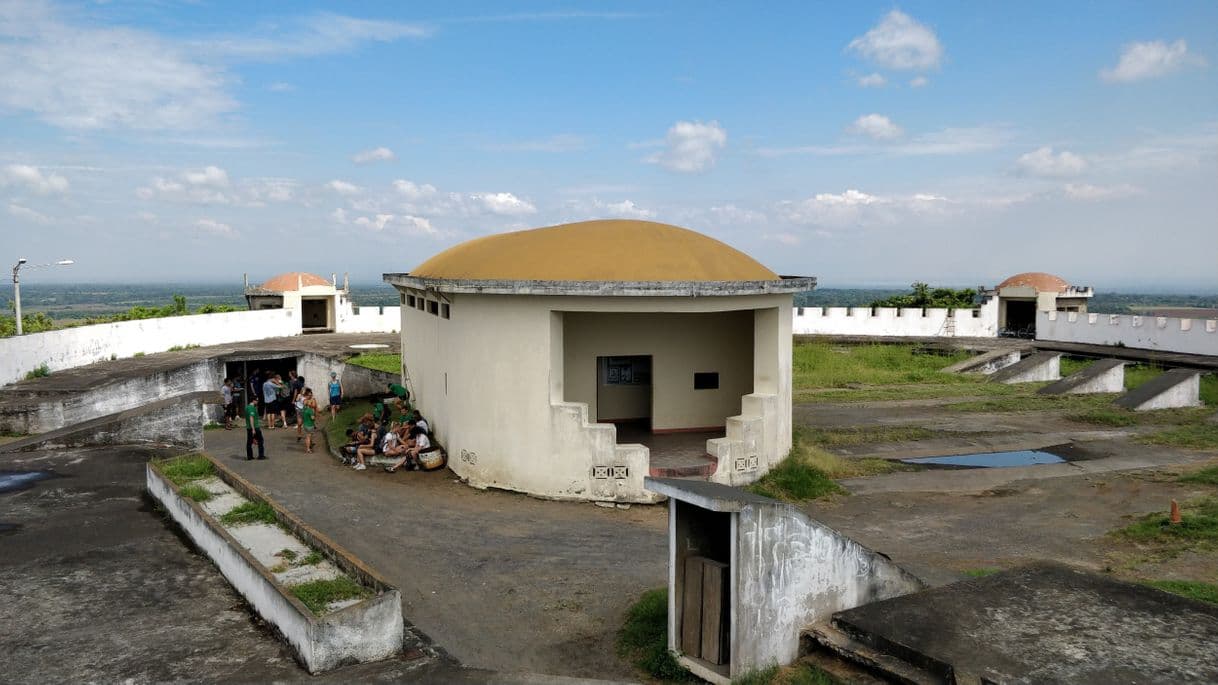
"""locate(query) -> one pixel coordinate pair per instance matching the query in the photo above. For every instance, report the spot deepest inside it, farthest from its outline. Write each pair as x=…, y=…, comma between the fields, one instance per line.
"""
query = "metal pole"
x=17, y=296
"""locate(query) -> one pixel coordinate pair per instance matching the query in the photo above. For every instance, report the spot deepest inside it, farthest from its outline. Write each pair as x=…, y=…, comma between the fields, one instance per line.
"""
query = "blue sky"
x=863, y=143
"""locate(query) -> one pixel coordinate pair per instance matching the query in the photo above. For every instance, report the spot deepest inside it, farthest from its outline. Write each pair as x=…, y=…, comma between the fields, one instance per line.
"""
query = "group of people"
x=392, y=430
x=290, y=402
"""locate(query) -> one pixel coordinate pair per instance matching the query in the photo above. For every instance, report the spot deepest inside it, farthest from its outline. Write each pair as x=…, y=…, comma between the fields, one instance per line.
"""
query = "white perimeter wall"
x=71, y=347
x=889, y=321
x=1167, y=333
x=368, y=319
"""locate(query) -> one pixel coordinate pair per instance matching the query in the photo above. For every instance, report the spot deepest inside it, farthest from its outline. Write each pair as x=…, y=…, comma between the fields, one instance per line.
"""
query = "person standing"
x=270, y=397
x=230, y=409
x=336, y=394
x=308, y=417
x=253, y=432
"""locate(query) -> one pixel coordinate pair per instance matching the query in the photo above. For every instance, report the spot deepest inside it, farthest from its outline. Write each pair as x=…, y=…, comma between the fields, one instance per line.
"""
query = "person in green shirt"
x=400, y=391
x=307, y=416
x=253, y=431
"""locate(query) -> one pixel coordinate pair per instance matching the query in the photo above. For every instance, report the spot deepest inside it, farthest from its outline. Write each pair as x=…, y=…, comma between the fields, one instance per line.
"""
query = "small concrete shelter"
x=317, y=299
x=526, y=350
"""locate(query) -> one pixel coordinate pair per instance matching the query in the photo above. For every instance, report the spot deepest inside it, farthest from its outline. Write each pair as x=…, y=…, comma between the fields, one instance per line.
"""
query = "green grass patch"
x=1199, y=523
x=1207, y=476
x=905, y=392
x=287, y=554
x=347, y=417
x=1209, y=389
x=1030, y=402
x=313, y=558
x=250, y=512
x=319, y=594
x=797, y=674
x=1072, y=365
x=1137, y=374
x=195, y=492
x=828, y=365
x=808, y=472
x=1203, y=592
x=389, y=363
x=980, y=572
x=41, y=371
x=182, y=470
x=1105, y=416
x=1196, y=436
x=643, y=638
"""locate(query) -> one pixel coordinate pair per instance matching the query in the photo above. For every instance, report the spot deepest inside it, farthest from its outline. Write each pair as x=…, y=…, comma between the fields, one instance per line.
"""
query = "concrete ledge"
x=369, y=630
x=1173, y=389
x=987, y=362
x=1106, y=375
x=1042, y=366
x=175, y=421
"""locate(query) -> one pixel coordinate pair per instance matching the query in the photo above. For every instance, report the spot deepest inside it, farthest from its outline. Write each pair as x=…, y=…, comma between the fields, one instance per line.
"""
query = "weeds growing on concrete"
x=250, y=512
x=643, y=638
x=1203, y=592
x=1198, y=436
x=195, y=492
x=313, y=558
x=798, y=674
x=389, y=363
x=42, y=371
x=980, y=572
x=1206, y=476
x=182, y=470
x=318, y=594
x=179, y=348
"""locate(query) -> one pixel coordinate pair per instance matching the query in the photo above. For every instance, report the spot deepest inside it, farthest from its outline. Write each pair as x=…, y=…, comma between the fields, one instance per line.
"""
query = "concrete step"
x=1171, y=389
x=699, y=469
x=1042, y=366
x=987, y=362
x=1105, y=375
x=887, y=668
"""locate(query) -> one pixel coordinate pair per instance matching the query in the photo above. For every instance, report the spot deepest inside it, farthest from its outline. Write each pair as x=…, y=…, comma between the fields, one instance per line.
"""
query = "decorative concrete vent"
x=352, y=615
x=747, y=574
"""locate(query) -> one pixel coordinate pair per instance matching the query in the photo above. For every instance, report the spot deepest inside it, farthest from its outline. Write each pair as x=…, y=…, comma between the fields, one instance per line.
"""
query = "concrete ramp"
x=1042, y=366
x=747, y=573
x=1105, y=375
x=1044, y=623
x=1170, y=390
x=175, y=421
x=987, y=362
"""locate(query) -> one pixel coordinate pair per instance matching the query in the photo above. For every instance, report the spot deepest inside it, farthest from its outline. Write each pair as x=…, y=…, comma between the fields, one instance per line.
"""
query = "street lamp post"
x=17, y=284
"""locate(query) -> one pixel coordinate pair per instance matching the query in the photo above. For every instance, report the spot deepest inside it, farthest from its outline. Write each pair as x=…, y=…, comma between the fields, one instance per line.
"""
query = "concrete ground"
x=499, y=580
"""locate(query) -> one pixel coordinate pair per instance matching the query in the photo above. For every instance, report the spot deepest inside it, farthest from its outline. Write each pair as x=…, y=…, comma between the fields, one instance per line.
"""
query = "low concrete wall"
x=357, y=381
x=176, y=421
x=369, y=630
x=369, y=320
x=1166, y=333
x=1042, y=366
x=905, y=322
x=72, y=347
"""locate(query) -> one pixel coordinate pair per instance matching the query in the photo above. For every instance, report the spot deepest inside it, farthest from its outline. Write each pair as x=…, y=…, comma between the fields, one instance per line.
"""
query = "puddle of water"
x=987, y=460
x=11, y=481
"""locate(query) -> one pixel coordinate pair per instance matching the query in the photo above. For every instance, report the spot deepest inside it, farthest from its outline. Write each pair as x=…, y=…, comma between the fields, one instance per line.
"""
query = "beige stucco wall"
x=491, y=379
x=679, y=345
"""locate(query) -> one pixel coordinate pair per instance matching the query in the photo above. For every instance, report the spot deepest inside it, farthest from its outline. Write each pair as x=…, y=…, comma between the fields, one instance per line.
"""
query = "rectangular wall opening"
x=623, y=391
x=703, y=592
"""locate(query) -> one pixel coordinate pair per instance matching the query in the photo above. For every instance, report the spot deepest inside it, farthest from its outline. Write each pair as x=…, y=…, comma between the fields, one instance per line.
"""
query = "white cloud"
x=27, y=214
x=339, y=215
x=90, y=76
x=1086, y=191
x=212, y=177
x=406, y=224
x=900, y=42
x=504, y=204
x=414, y=191
x=690, y=146
x=213, y=227
x=876, y=127
x=343, y=187
x=260, y=191
x=918, y=81
x=563, y=142
x=33, y=179
x=949, y=141
x=376, y=154
x=1149, y=60
x=733, y=215
x=855, y=208
x=1043, y=162
x=873, y=80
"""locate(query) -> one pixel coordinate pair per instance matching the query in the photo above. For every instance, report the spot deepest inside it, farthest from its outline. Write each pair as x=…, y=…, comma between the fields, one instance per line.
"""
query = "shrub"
x=41, y=371
x=643, y=638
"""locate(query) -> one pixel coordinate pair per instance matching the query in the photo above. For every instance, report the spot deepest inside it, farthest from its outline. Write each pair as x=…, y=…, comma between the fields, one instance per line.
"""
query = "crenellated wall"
x=903, y=322
x=1165, y=333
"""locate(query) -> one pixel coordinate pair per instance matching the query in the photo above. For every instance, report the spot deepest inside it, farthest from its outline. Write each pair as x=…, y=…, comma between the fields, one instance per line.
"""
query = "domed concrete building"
x=532, y=353
x=1022, y=295
x=317, y=299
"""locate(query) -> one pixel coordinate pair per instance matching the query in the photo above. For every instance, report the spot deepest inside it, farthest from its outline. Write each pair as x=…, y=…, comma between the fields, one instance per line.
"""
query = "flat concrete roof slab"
x=1046, y=623
x=706, y=494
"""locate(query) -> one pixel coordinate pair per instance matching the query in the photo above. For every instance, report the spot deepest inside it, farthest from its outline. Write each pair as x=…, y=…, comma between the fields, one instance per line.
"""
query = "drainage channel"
x=991, y=460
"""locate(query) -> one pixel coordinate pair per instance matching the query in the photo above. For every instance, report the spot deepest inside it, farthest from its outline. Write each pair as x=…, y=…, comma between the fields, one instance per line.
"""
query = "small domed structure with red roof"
x=1021, y=296
x=317, y=299
x=1041, y=281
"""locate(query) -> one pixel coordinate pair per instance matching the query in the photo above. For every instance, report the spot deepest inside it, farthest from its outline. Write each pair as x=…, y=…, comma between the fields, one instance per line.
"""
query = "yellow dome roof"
x=607, y=250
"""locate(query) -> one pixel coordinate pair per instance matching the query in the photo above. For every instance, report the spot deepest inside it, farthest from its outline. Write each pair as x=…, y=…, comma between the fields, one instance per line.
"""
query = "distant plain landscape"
x=79, y=301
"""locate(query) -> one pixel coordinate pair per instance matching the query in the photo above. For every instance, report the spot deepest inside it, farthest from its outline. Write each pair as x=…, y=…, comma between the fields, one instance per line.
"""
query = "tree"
x=925, y=296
